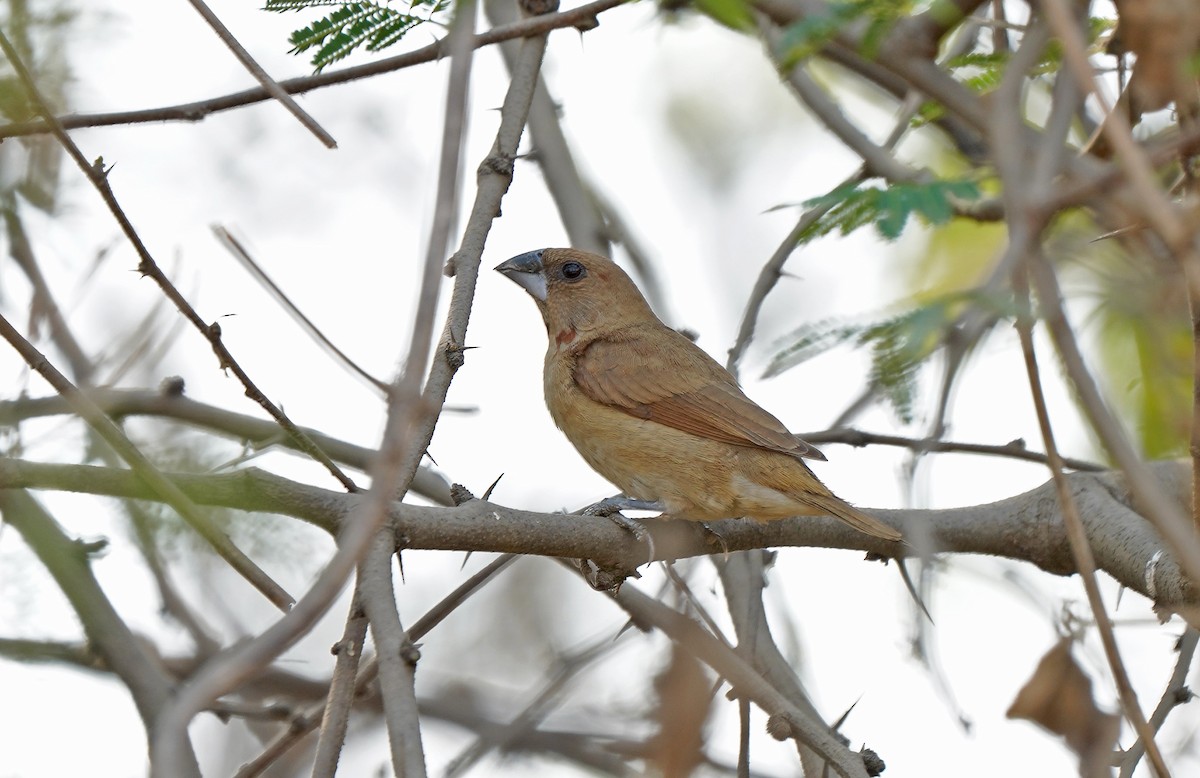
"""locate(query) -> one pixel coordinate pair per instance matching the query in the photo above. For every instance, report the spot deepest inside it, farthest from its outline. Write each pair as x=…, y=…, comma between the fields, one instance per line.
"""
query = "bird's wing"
x=664, y=377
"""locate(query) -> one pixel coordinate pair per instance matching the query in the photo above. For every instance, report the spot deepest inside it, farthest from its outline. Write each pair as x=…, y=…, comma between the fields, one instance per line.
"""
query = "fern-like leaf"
x=899, y=345
x=351, y=26
x=855, y=205
x=807, y=36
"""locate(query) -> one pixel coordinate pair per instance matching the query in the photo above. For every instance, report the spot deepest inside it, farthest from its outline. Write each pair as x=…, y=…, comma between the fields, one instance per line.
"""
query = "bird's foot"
x=611, y=507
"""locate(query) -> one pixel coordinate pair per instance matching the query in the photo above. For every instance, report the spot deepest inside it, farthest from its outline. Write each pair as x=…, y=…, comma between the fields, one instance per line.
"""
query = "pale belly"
x=695, y=478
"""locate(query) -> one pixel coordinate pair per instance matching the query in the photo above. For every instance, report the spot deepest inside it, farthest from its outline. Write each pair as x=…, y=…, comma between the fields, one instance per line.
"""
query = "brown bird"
x=653, y=413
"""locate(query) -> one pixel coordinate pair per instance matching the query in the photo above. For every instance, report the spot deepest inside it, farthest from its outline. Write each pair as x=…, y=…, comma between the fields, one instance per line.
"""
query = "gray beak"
x=526, y=271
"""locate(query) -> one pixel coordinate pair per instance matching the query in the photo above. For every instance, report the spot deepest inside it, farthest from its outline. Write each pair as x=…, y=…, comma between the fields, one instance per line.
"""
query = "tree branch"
x=108, y=635
x=98, y=177
x=308, y=720
x=1026, y=527
x=145, y=469
x=170, y=404
x=397, y=656
x=583, y=17
x=786, y=720
x=271, y=86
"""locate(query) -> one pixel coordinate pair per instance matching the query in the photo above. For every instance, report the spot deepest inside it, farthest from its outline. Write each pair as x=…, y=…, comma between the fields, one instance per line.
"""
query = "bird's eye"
x=573, y=271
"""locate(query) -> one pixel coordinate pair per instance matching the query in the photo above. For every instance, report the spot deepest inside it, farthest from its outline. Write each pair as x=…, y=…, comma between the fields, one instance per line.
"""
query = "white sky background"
x=343, y=232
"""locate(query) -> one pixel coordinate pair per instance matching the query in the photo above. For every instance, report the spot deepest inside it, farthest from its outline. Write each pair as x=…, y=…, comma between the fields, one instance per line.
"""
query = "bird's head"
x=577, y=292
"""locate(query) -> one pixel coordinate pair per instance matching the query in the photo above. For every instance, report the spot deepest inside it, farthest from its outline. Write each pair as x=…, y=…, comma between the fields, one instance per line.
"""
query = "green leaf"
x=808, y=341
x=889, y=208
x=806, y=37
x=899, y=345
x=352, y=26
x=734, y=14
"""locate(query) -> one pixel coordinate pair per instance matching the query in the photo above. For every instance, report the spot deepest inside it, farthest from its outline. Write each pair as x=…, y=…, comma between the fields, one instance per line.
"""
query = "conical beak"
x=526, y=271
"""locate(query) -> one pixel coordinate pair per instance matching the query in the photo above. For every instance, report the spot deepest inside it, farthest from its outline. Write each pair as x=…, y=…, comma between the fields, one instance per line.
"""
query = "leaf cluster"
x=899, y=345
x=857, y=204
x=809, y=35
x=351, y=26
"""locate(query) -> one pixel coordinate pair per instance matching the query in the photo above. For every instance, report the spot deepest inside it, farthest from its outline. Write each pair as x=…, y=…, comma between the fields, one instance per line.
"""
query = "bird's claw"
x=635, y=528
x=611, y=507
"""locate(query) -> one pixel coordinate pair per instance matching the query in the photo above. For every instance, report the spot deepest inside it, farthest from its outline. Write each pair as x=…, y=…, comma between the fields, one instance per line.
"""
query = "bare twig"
x=743, y=577
x=786, y=720
x=1158, y=510
x=310, y=718
x=173, y=602
x=566, y=667
x=98, y=176
x=1014, y=449
x=169, y=405
x=877, y=159
x=1099, y=181
x=583, y=16
x=769, y=276
x=83, y=369
x=396, y=657
x=409, y=428
x=43, y=301
x=1175, y=694
x=269, y=84
x=578, y=210
x=163, y=487
x=1156, y=207
x=1082, y=552
x=108, y=635
x=342, y=686
x=240, y=253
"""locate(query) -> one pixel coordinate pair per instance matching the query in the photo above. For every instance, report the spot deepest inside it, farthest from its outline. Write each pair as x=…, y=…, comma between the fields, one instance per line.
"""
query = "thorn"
x=912, y=589
x=628, y=625
x=488, y=492
x=842, y=719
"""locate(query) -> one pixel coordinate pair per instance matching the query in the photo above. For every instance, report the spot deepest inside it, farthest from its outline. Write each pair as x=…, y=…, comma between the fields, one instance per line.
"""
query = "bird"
x=654, y=414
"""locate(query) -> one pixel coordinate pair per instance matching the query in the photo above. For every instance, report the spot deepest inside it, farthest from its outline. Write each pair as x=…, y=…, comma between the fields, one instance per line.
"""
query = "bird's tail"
x=853, y=516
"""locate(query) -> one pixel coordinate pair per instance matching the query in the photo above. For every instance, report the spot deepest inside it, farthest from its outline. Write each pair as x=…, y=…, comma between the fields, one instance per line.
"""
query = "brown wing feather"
x=673, y=382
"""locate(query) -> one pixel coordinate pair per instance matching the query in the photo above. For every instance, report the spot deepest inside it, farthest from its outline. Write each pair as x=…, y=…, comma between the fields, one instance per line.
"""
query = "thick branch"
x=1027, y=527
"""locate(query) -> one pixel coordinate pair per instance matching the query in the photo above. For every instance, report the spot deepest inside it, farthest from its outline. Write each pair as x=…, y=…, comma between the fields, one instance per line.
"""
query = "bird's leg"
x=622, y=503
x=611, y=507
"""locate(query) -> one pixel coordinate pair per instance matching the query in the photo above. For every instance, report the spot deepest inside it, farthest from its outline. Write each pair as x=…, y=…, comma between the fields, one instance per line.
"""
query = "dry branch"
x=1026, y=527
